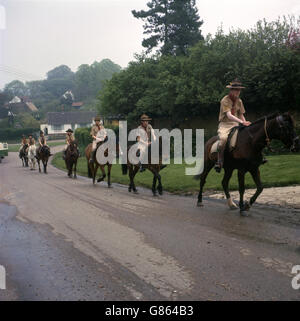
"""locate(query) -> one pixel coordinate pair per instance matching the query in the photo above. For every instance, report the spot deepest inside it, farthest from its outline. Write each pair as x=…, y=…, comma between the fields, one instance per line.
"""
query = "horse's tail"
x=124, y=169
x=89, y=170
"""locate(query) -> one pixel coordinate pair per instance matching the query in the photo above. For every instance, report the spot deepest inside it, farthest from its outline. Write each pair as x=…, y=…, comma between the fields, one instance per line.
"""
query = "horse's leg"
x=75, y=169
x=95, y=172
x=132, y=172
x=103, y=174
x=207, y=167
x=225, y=182
x=108, y=174
x=241, y=178
x=38, y=161
x=159, y=187
x=45, y=166
x=255, y=173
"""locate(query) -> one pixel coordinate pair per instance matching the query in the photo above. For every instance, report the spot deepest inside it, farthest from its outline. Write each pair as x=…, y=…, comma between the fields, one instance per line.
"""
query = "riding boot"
x=220, y=161
x=142, y=169
x=93, y=155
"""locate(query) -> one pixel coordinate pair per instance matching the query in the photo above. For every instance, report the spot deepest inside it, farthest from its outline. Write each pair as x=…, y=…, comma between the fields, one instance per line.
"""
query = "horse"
x=24, y=155
x=153, y=168
x=93, y=167
x=247, y=154
x=43, y=154
x=31, y=156
x=71, y=159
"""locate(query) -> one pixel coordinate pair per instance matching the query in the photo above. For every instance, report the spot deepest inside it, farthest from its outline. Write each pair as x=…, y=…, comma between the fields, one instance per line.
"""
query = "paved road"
x=65, y=239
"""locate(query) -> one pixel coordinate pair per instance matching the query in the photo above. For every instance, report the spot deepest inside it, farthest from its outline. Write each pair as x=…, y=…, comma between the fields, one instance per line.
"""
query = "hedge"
x=16, y=133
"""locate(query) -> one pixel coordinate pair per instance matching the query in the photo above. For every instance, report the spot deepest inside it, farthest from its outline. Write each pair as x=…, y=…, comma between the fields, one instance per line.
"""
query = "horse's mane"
x=271, y=116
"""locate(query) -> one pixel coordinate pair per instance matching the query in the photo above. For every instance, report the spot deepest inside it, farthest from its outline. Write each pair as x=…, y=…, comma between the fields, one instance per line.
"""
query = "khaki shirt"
x=70, y=138
x=24, y=141
x=31, y=141
x=227, y=105
x=95, y=130
x=42, y=140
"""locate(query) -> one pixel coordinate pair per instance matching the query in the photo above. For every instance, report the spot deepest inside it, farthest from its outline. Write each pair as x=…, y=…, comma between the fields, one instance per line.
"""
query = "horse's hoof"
x=135, y=191
x=231, y=204
x=247, y=206
x=200, y=204
x=75, y=176
x=154, y=194
x=244, y=213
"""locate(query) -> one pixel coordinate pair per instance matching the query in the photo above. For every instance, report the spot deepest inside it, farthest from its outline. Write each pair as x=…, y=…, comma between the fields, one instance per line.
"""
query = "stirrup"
x=218, y=167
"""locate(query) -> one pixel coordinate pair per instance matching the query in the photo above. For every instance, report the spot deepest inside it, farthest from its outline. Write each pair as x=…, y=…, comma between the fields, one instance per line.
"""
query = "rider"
x=98, y=134
x=231, y=115
x=31, y=141
x=23, y=142
x=42, y=141
x=145, y=127
x=69, y=138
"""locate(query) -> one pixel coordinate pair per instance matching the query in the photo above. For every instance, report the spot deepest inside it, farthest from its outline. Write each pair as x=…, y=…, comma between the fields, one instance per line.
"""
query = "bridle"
x=280, y=122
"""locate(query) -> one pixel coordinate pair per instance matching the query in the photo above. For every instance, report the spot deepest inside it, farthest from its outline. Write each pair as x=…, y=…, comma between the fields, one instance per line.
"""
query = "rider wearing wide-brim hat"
x=23, y=142
x=146, y=136
x=98, y=133
x=69, y=138
x=42, y=140
x=231, y=115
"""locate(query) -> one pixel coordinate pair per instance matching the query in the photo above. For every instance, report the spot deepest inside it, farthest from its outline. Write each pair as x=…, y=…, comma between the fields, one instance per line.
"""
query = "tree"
x=16, y=88
x=60, y=72
x=173, y=24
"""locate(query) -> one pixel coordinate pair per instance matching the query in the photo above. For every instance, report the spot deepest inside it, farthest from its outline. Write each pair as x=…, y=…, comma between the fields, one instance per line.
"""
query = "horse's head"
x=73, y=148
x=287, y=132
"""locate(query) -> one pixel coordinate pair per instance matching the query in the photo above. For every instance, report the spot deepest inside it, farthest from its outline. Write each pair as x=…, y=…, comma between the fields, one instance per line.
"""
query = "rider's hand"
x=246, y=123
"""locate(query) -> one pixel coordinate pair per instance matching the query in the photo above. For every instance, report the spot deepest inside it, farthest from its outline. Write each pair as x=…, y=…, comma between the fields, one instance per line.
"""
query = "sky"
x=39, y=35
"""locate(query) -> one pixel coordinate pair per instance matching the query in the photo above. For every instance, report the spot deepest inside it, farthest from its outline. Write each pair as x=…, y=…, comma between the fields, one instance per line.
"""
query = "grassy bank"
x=281, y=170
x=15, y=148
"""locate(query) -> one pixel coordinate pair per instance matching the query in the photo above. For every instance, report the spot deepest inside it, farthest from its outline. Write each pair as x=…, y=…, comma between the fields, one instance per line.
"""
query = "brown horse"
x=93, y=167
x=43, y=154
x=24, y=155
x=153, y=168
x=71, y=158
x=247, y=155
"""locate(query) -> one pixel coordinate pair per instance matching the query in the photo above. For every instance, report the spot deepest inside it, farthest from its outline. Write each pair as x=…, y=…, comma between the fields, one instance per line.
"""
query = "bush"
x=8, y=134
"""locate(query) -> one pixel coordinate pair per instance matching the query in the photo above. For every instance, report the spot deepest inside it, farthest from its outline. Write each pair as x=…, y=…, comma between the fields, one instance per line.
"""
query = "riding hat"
x=235, y=84
x=145, y=117
x=97, y=118
x=69, y=130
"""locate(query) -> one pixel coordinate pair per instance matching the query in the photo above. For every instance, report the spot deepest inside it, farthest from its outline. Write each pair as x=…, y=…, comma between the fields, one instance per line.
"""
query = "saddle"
x=231, y=140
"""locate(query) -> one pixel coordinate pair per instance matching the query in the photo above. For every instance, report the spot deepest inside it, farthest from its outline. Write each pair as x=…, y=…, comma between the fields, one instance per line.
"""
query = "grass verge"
x=281, y=170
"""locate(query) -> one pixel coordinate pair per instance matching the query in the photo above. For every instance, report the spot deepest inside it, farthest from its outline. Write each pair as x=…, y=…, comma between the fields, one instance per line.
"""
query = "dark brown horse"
x=247, y=155
x=93, y=167
x=71, y=158
x=43, y=154
x=153, y=168
x=24, y=155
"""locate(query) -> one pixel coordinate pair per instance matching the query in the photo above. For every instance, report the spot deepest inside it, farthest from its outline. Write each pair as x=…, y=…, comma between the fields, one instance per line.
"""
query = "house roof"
x=79, y=117
x=31, y=106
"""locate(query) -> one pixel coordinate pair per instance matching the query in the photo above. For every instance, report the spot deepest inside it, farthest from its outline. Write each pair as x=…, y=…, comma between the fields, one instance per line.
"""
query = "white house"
x=58, y=123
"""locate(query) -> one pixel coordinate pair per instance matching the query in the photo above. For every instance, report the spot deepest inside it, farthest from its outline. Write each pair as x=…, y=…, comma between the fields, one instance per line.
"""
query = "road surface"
x=65, y=239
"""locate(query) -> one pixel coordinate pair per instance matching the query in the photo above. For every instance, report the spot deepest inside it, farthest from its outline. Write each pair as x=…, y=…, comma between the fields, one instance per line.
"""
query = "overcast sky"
x=38, y=35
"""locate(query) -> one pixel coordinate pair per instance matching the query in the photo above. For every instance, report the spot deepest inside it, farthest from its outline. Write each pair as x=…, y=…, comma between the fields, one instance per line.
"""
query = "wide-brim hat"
x=145, y=117
x=97, y=118
x=235, y=84
x=69, y=130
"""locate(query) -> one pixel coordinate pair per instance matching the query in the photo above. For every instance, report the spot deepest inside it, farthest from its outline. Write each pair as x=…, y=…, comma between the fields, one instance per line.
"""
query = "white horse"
x=31, y=156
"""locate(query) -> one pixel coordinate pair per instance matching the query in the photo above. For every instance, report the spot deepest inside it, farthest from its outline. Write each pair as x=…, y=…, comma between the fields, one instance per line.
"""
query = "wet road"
x=65, y=239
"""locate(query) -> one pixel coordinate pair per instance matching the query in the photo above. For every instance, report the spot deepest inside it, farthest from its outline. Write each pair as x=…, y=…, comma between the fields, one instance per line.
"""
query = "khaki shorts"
x=223, y=132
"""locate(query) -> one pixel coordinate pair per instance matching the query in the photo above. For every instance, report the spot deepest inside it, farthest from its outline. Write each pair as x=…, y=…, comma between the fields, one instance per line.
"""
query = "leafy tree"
x=60, y=72
x=16, y=88
x=173, y=24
